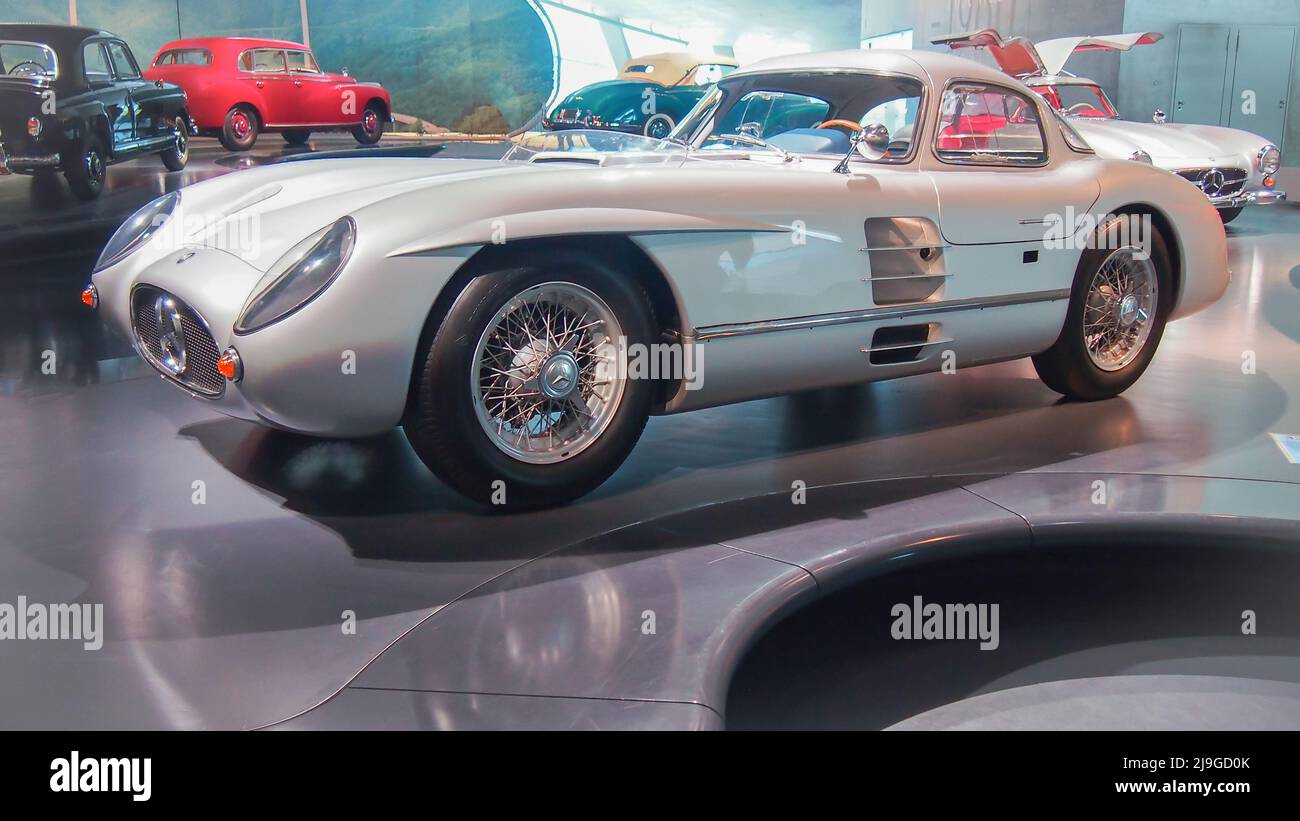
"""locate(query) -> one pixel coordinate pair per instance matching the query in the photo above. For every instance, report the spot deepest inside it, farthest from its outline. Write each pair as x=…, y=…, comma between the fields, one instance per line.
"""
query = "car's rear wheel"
x=86, y=174
x=297, y=136
x=1121, y=298
x=1230, y=214
x=240, y=130
x=371, y=128
x=659, y=126
x=176, y=157
x=522, y=397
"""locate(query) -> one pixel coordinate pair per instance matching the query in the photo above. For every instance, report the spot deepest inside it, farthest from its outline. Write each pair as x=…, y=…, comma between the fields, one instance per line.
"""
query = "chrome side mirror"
x=345, y=72
x=754, y=130
x=1159, y=116
x=872, y=141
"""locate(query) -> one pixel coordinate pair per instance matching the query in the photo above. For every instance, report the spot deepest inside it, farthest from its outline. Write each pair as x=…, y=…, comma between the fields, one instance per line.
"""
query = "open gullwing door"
x=1055, y=53
x=1019, y=57
x=1015, y=55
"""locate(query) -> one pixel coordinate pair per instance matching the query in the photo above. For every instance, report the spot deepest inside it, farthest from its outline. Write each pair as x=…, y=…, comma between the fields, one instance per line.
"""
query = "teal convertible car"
x=650, y=96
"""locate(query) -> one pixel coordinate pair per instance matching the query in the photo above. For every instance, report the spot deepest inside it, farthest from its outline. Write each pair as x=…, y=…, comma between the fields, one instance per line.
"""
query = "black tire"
x=86, y=173
x=239, y=131
x=658, y=127
x=371, y=129
x=1230, y=214
x=297, y=136
x=1067, y=367
x=442, y=424
x=176, y=157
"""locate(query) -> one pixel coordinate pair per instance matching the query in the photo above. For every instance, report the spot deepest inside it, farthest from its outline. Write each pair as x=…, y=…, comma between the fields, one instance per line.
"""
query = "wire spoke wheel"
x=1120, y=308
x=547, y=378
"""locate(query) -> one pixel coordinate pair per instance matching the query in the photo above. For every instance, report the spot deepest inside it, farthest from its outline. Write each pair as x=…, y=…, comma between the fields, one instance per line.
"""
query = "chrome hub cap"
x=1121, y=305
x=94, y=165
x=239, y=124
x=370, y=121
x=546, y=379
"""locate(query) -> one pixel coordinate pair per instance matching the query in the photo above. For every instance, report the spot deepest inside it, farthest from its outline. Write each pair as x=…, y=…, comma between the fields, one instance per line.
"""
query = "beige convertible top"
x=670, y=67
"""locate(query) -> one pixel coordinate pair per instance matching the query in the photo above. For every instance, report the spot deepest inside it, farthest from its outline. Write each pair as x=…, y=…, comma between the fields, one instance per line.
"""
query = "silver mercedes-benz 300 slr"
x=816, y=220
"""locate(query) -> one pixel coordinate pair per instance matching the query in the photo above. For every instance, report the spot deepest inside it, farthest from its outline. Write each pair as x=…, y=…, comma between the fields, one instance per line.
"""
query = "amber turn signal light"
x=229, y=365
x=90, y=296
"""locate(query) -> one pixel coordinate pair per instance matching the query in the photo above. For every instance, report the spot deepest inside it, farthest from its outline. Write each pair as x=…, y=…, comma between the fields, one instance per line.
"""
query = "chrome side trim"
x=875, y=314
x=921, y=247
x=900, y=277
x=903, y=346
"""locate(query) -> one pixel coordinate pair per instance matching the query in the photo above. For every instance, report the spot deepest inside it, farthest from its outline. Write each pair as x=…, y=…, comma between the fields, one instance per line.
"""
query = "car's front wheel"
x=1121, y=298
x=1230, y=214
x=86, y=174
x=522, y=397
x=371, y=128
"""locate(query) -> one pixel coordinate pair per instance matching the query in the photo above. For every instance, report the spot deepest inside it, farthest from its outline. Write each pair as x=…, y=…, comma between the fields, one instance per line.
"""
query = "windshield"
x=804, y=112
x=593, y=147
x=20, y=59
x=1079, y=101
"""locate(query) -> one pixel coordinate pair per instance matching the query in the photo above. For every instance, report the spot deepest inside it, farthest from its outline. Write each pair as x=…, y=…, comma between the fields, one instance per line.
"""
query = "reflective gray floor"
x=629, y=608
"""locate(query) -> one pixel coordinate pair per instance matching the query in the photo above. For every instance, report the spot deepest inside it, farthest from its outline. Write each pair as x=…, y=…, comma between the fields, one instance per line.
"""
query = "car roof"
x=231, y=44
x=59, y=37
x=935, y=67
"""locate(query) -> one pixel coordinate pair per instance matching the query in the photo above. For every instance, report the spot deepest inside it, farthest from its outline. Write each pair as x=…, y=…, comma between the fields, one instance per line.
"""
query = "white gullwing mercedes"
x=1234, y=168
x=816, y=220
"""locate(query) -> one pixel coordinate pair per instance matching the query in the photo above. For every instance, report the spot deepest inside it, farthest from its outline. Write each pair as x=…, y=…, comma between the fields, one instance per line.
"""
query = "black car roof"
x=57, y=37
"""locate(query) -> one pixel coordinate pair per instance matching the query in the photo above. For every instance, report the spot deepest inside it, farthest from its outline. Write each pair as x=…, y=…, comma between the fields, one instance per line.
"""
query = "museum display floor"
x=251, y=578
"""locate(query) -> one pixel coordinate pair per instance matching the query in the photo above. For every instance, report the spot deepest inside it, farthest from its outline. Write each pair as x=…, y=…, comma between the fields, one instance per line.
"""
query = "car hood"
x=262, y=213
x=1171, y=145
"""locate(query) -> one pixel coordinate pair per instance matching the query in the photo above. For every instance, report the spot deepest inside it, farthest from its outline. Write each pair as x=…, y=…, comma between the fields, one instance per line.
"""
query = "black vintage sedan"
x=73, y=99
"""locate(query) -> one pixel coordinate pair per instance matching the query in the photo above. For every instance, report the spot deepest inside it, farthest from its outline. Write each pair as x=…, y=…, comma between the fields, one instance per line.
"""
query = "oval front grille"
x=1233, y=180
x=201, y=354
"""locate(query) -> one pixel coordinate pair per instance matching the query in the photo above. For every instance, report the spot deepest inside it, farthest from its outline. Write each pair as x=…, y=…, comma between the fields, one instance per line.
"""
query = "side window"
x=96, y=63
x=123, y=62
x=988, y=125
x=302, y=62
x=263, y=61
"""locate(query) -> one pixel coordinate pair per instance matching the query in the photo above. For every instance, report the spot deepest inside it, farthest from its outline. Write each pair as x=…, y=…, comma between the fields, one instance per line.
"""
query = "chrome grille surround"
x=200, y=374
x=1233, y=180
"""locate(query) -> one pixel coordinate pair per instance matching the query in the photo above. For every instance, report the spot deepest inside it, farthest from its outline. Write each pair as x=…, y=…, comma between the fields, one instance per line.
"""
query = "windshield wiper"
x=786, y=156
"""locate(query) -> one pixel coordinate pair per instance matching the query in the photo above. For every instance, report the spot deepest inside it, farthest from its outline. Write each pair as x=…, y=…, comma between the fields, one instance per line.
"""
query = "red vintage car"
x=239, y=87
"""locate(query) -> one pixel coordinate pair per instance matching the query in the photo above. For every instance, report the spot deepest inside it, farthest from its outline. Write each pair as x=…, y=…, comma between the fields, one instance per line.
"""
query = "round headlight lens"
x=299, y=277
x=1269, y=160
x=1140, y=156
x=137, y=230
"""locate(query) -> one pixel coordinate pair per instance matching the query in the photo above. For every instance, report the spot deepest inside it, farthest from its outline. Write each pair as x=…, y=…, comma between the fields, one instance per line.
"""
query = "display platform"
x=253, y=578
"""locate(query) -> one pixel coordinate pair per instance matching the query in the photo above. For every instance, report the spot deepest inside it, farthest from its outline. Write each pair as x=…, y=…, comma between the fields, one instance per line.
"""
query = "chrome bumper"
x=9, y=165
x=1248, y=198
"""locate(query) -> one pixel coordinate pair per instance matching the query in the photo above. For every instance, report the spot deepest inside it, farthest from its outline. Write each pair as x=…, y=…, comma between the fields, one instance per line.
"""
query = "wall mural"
x=466, y=65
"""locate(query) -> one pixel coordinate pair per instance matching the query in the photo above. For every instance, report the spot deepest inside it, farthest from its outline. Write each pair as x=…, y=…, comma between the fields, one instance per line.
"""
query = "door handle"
x=297, y=83
x=260, y=84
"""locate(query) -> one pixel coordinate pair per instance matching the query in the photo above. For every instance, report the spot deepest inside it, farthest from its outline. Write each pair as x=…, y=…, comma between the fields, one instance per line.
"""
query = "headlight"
x=299, y=277
x=137, y=230
x=1268, y=160
x=1140, y=156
